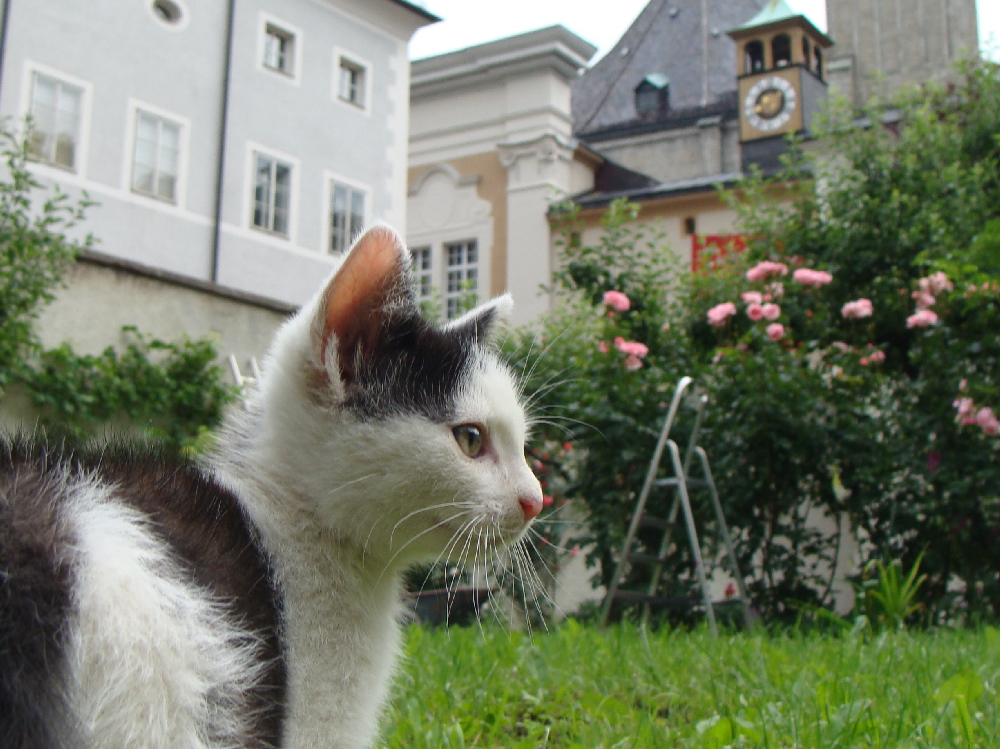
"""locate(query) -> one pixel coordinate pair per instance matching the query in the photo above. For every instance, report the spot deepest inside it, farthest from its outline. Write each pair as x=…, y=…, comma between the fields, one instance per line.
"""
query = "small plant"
x=886, y=597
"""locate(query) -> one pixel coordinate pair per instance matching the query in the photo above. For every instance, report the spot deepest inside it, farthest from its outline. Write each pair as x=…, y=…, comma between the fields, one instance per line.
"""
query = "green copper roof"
x=775, y=10
x=657, y=80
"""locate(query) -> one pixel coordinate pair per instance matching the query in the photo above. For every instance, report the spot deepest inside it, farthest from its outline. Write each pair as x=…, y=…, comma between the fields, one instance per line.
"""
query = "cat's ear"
x=372, y=284
x=485, y=322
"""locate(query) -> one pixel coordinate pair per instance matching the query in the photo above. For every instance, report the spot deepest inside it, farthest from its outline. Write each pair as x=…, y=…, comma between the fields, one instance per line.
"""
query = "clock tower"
x=780, y=60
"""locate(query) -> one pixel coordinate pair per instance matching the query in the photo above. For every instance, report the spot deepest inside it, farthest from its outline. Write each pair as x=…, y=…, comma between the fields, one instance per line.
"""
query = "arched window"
x=754, y=62
x=781, y=50
x=807, y=52
x=818, y=68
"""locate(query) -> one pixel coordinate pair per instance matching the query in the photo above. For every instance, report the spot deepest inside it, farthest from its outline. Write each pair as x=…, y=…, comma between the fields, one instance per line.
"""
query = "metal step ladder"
x=680, y=483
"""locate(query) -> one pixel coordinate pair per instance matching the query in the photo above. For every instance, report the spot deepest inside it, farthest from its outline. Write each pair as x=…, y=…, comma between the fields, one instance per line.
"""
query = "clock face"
x=769, y=103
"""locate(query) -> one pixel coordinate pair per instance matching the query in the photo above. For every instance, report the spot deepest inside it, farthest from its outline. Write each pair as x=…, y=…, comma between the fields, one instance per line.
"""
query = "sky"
x=469, y=22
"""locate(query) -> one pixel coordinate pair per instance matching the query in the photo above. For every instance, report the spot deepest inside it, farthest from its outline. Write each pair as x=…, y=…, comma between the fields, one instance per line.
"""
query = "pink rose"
x=966, y=410
x=775, y=331
x=633, y=363
x=766, y=269
x=752, y=297
x=776, y=289
x=876, y=357
x=631, y=348
x=921, y=319
x=755, y=312
x=718, y=314
x=938, y=282
x=808, y=277
x=924, y=299
x=603, y=347
x=857, y=309
x=617, y=300
x=988, y=421
x=771, y=311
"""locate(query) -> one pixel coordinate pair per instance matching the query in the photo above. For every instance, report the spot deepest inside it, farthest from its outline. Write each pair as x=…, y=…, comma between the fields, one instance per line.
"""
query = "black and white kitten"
x=253, y=601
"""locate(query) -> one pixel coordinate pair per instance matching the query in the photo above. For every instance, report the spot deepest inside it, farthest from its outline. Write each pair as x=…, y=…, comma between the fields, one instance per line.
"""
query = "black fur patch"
x=201, y=522
x=416, y=368
x=35, y=603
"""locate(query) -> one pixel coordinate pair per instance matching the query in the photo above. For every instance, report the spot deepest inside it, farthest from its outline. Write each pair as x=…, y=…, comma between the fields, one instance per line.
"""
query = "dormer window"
x=781, y=50
x=652, y=95
x=754, y=53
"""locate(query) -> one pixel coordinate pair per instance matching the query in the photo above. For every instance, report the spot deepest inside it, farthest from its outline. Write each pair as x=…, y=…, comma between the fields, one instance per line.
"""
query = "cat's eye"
x=470, y=439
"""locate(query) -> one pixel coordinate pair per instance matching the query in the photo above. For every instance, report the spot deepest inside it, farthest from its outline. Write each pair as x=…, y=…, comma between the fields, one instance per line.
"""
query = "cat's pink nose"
x=531, y=506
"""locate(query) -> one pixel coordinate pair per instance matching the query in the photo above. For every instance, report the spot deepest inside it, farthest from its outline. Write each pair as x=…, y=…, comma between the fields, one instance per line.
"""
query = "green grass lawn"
x=577, y=686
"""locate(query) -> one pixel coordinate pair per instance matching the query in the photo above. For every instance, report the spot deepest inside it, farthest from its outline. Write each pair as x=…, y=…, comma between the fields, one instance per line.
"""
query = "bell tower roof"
x=778, y=12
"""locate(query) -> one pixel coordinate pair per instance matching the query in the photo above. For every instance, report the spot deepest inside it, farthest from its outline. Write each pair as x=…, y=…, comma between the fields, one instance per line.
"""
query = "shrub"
x=850, y=356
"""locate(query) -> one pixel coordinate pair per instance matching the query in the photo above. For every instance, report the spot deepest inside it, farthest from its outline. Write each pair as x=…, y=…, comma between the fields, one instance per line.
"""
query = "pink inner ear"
x=362, y=285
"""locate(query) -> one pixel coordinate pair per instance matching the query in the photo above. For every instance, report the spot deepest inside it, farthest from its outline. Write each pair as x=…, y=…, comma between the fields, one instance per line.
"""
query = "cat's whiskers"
x=540, y=586
x=460, y=564
x=422, y=533
x=453, y=504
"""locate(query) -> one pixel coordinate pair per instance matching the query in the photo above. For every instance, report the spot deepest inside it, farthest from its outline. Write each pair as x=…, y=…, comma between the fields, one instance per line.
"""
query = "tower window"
x=818, y=68
x=781, y=50
x=754, y=53
x=806, y=52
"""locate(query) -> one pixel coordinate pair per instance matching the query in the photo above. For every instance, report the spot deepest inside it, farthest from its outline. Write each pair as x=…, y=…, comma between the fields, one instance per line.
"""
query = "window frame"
x=331, y=180
x=423, y=276
x=137, y=108
x=345, y=59
x=255, y=150
x=267, y=22
x=82, y=143
x=449, y=295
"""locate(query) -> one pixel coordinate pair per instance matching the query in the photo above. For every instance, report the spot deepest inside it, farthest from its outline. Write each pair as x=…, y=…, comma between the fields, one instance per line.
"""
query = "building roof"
x=682, y=39
x=418, y=7
x=554, y=46
x=636, y=191
x=774, y=11
x=778, y=11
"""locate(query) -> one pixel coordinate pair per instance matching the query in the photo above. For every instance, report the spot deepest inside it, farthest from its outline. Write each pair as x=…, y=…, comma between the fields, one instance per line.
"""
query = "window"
x=754, y=62
x=807, y=52
x=55, y=128
x=652, y=94
x=422, y=272
x=462, y=259
x=818, y=54
x=352, y=83
x=781, y=50
x=156, y=157
x=347, y=215
x=689, y=225
x=279, y=49
x=271, y=194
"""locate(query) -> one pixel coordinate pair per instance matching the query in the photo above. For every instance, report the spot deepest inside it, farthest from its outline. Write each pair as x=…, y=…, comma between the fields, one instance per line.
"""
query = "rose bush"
x=850, y=354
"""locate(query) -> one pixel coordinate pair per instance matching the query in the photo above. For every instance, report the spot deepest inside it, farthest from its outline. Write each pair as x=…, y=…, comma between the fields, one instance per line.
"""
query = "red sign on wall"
x=712, y=247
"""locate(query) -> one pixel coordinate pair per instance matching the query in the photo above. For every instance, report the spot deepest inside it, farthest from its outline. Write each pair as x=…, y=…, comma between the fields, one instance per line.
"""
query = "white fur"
x=344, y=507
x=153, y=660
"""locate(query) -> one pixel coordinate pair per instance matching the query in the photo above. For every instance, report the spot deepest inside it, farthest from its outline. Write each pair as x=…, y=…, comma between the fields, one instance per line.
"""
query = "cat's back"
x=135, y=601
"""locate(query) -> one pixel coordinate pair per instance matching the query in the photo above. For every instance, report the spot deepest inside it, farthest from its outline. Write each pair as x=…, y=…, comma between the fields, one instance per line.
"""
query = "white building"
x=233, y=147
